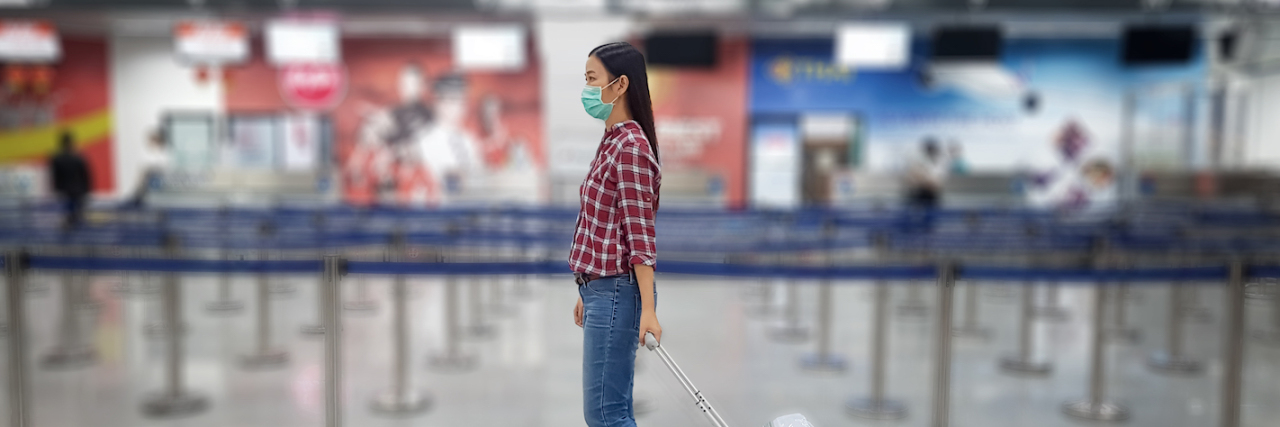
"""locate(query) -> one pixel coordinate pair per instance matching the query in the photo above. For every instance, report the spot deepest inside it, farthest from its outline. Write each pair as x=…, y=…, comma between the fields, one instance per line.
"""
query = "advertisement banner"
x=701, y=123
x=71, y=96
x=413, y=130
x=1044, y=99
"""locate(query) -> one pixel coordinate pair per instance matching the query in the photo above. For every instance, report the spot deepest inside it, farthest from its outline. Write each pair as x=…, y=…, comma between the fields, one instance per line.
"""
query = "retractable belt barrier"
x=844, y=272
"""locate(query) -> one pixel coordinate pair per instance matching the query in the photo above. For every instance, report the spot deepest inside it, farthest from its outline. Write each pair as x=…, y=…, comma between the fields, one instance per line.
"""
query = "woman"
x=613, y=251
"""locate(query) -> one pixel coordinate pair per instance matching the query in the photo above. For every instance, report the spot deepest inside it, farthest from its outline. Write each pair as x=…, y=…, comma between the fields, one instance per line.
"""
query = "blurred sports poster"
x=701, y=125
x=414, y=130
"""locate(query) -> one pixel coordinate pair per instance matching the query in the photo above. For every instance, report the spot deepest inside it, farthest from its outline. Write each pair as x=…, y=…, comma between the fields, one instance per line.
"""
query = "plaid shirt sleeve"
x=638, y=180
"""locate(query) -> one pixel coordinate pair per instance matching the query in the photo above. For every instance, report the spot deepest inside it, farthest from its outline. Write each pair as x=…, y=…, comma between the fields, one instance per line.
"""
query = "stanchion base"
x=1269, y=338
x=1095, y=411
x=313, y=330
x=69, y=358
x=392, y=404
x=790, y=334
x=1016, y=365
x=1163, y=363
x=224, y=306
x=265, y=360
x=1198, y=314
x=822, y=363
x=360, y=305
x=480, y=332
x=871, y=409
x=453, y=363
x=971, y=331
x=1124, y=335
x=913, y=309
x=1053, y=314
x=169, y=406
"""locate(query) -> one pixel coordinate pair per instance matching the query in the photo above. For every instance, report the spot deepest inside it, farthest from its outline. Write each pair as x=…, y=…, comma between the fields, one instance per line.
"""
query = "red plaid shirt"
x=619, y=196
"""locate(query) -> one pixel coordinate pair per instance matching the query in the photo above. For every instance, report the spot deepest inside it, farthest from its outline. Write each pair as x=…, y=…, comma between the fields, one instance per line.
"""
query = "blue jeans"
x=611, y=334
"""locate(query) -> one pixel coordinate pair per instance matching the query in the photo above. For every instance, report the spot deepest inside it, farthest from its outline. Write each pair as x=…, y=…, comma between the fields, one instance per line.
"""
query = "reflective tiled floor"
x=528, y=373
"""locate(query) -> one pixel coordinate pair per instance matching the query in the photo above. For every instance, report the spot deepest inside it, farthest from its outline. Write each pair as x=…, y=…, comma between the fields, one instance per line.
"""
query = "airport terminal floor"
x=727, y=330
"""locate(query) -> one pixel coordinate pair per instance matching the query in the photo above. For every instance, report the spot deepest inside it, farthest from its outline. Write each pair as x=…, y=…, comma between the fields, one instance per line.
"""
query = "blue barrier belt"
x=918, y=272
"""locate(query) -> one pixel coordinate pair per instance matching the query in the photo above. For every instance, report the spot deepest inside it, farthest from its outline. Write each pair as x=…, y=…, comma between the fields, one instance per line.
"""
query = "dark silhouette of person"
x=69, y=174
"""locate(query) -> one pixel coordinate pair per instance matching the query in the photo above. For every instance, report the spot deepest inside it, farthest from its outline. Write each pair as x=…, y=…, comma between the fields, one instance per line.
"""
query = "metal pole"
x=914, y=306
x=172, y=316
x=224, y=303
x=400, y=400
x=1096, y=407
x=823, y=360
x=1271, y=337
x=478, y=330
x=453, y=359
x=970, y=327
x=1023, y=363
x=1120, y=330
x=790, y=330
x=173, y=401
x=331, y=297
x=264, y=355
x=1191, y=305
x=1233, y=352
x=19, y=405
x=1171, y=360
x=71, y=351
x=1052, y=310
x=942, y=360
x=363, y=301
x=877, y=407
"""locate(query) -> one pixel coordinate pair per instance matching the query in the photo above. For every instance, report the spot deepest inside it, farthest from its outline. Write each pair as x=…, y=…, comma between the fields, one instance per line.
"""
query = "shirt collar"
x=617, y=128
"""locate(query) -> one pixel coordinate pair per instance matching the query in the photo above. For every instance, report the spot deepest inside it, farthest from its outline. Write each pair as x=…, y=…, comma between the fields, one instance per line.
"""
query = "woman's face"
x=597, y=76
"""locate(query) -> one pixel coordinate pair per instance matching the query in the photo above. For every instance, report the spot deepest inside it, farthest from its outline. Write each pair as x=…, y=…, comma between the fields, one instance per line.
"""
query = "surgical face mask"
x=595, y=106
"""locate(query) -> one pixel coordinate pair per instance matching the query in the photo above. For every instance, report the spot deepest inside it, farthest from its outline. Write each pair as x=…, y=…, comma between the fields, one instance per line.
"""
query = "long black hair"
x=623, y=59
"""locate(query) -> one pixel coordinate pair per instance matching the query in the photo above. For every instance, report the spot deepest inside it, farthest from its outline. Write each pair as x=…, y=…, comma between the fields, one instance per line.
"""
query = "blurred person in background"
x=69, y=173
x=384, y=159
x=613, y=252
x=923, y=179
x=154, y=163
x=450, y=152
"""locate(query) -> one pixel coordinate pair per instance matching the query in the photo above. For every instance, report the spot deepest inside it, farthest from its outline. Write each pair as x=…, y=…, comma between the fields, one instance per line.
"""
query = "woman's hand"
x=649, y=323
x=577, y=313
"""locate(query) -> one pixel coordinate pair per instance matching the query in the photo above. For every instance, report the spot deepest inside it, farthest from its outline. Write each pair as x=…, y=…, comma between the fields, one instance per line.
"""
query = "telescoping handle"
x=652, y=344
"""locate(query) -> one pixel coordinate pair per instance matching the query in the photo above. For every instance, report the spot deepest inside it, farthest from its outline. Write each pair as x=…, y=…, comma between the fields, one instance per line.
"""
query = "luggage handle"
x=652, y=344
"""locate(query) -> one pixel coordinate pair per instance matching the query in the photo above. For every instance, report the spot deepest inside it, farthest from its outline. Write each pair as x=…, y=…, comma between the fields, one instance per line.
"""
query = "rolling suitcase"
x=793, y=420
